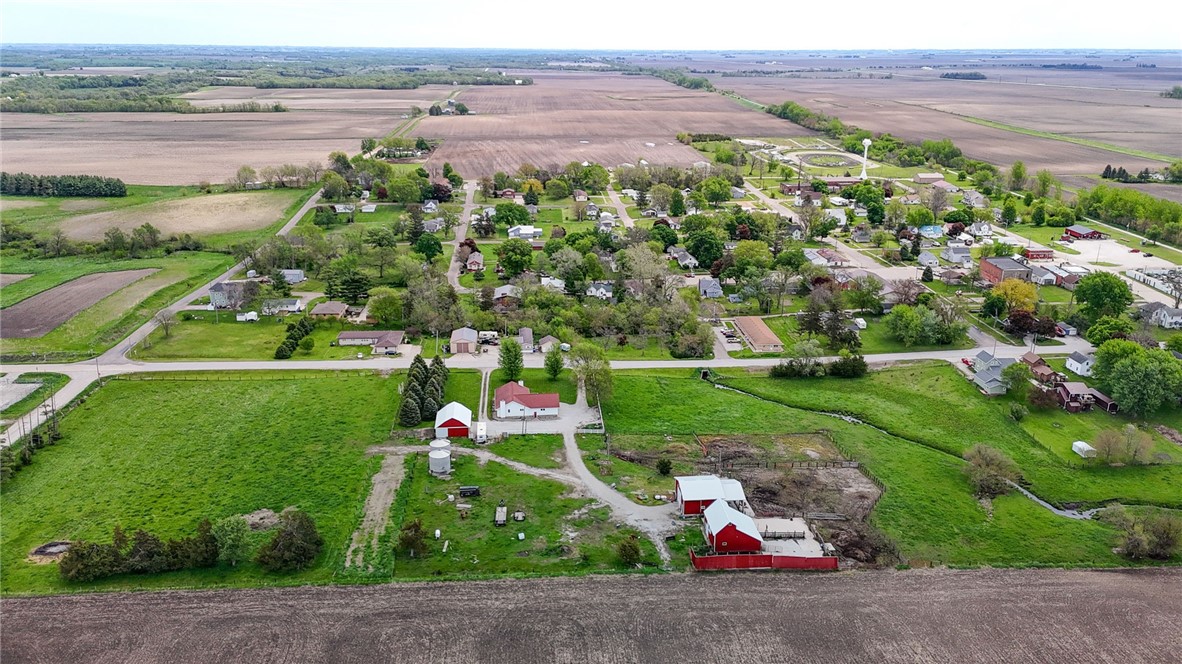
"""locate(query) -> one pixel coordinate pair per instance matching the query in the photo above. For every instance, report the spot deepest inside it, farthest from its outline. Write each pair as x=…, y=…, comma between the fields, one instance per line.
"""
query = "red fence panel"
x=761, y=561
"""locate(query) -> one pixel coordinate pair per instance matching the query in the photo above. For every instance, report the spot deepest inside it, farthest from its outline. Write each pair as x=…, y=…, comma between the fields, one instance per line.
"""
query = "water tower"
x=865, y=151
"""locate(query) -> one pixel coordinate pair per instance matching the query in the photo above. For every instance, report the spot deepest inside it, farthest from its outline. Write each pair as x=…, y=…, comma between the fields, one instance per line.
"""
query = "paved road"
x=453, y=270
x=621, y=208
x=1013, y=616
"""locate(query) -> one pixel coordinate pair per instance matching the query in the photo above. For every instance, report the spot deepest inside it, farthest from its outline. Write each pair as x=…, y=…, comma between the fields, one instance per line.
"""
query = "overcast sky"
x=599, y=24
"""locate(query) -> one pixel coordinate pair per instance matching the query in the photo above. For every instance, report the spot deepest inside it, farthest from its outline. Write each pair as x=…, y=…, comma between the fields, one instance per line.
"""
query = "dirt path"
x=377, y=511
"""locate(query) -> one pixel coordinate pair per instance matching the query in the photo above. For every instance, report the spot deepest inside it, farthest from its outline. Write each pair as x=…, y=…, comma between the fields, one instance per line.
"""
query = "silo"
x=439, y=462
x=440, y=444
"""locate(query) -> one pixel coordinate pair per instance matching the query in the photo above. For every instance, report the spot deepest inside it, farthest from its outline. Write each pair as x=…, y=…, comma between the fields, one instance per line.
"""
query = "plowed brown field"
x=42, y=313
x=1033, y=616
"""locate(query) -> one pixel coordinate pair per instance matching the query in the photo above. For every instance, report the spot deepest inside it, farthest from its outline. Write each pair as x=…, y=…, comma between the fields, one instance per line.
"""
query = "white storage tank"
x=440, y=444
x=439, y=462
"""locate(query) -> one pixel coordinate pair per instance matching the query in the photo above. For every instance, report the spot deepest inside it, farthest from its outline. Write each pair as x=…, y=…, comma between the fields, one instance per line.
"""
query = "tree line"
x=964, y=75
x=88, y=186
x=1171, y=173
x=1157, y=218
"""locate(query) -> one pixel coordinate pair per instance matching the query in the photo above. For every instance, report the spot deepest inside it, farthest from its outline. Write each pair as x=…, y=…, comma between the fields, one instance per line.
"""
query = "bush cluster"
x=295, y=333
x=849, y=365
x=143, y=553
x=23, y=184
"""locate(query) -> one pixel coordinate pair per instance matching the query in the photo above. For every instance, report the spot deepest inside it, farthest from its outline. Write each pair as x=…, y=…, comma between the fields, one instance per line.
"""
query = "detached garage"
x=453, y=421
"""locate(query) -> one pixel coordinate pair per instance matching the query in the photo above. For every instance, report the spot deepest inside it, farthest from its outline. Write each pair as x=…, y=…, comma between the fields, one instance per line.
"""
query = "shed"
x=454, y=420
x=463, y=340
x=728, y=530
x=696, y=492
x=1083, y=449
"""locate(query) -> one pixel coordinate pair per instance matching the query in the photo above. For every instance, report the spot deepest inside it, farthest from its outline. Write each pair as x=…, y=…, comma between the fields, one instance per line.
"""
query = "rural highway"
x=1049, y=616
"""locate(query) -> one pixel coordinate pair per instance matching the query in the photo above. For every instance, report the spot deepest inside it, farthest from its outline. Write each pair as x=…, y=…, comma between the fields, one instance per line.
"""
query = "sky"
x=599, y=25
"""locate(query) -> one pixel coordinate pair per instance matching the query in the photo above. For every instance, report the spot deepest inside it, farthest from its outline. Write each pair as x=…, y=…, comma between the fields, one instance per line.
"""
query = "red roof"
x=522, y=395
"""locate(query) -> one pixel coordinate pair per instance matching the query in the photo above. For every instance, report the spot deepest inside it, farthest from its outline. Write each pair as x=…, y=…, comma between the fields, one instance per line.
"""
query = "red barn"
x=1039, y=254
x=453, y=421
x=696, y=493
x=1082, y=233
x=728, y=530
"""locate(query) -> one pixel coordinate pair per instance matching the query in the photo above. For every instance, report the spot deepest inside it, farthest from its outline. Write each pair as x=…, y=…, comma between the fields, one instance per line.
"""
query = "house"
x=525, y=233
x=980, y=229
x=996, y=270
x=737, y=192
x=592, y=210
x=758, y=336
x=507, y=296
x=433, y=225
x=604, y=226
x=547, y=342
x=329, y=309
x=946, y=186
x=554, y=284
x=525, y=336
x=1038, y=254
x=1042, y=276
x=475, y=262
x=839, y=201
x=928, y=259
x=513, y=400
x=369, y=208
x=951, y=277
x=709, y=287
x=1083, y=449
x=580, y=196
x=247, y=317
x=927, y=178
x=463, y=340
x=1169, y=318
x=282, y=306
x=600, y=289
x=1078, y=232
x=227, y=294
x=383, y=342
x=430, y=206
x=931, y=232
x=987, y=372
x=861, y=234
x=684, y=259
x=962, y=256
x=454, y=420
x=813, y=197
x=695, y=493
x=974, y=199
x=1081, y=364
x=1077, y=397
x=795, y=231
x=1032, y=359
x=728, y=530
x=825, y=257
x=911, y=199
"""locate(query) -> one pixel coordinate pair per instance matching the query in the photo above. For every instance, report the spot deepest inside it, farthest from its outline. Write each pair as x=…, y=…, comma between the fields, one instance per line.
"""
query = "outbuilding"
x=454, y=420
x=463, y=340
x=1083, y=449
x=1079, y=232
x=728, y=530
x=697, y=492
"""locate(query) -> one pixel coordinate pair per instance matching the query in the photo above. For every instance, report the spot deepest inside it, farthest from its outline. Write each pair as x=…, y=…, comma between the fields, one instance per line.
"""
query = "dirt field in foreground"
x=1012, y=616
x=42, y=313
x=9, y=279
x=199, y=215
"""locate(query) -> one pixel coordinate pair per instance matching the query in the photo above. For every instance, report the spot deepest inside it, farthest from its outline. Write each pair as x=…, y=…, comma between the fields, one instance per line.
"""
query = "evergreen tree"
x=415, y=230
x=927, y=275
x=439, y=368
x=429, y=408
x=294, y=546
x=408, y=413
x=147, y=554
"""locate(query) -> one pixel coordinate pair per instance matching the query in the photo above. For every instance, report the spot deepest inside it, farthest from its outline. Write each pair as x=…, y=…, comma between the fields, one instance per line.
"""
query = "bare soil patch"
x=9, y=279
x=38, y=315
x=1051, y=616
x=325, y=99
x=8, y=204
x=77, y=205
x=377, y=511
x=199, y=215
x=50, y=552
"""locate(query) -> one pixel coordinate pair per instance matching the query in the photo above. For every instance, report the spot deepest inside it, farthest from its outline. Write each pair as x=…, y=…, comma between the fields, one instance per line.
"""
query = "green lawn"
x=1055, y=294
x=100, y=326
x=463, y=385
x=50, y=384
x=220, y=337
x=217, y=445
x=538, y=450
x=633, y=480
x=538, y=381
x=876, y=338
x=477, y=548
x=927, y=508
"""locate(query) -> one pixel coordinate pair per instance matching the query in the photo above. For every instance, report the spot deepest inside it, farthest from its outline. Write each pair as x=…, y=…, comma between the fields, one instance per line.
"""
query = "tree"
x=557, y=189
x=554, y=362
x=233, y=538
x=1143, y=382
x=990, y=472
x=1109, y=327
x=515, y=256
x=294, y=546
x=385, y=305
x=1009, y=212
x=664, y=466
x=408, y=412
x=677, y=203
x=429, y=246
x=705, y=246
x=510, y=361
x=147, y=554
x=1017, y=181
x=866, y=294
x=369, y=144
x=1103, y=294
x=592, y=370
x=1017, y=294
x=335, y=187
x=511, y=214
x=716, y=190
x=1044, y=181
x=629, y=551
x=166, y=320
x=1017, y=378
x=412, y=539
x=936, y=200
x=307, y=344
x=461, y=108
x=1109, y=444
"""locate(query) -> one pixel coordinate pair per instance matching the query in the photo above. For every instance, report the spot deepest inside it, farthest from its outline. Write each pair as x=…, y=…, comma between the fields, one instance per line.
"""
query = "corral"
x=608, y=118
x=1053, y=616
x=40, y=314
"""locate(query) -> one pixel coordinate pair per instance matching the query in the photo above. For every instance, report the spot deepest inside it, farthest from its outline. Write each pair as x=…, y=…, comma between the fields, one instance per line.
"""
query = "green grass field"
x=537, y=381
x=876, y=338
x=477, y=548
x=50, y=384
x=538, y=450
x=928, y=507
x=100, y=326
x=213, y=448
x=220, y=337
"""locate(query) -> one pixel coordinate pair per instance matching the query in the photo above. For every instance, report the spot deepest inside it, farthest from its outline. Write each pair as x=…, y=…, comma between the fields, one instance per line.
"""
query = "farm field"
x=926, y=107
x=325, y=99
x=628, y=617
x=170, y=149
x=218, y=448
x=927, y=506
x=37, y=315
x=607, y=118
x=95, y=322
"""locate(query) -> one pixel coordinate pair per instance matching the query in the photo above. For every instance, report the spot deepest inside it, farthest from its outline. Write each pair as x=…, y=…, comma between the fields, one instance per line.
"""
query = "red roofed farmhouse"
x=515, y=401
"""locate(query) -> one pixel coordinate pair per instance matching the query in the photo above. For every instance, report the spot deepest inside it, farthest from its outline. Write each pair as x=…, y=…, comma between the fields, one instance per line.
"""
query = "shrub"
x=147, y=555
x=283, y=352
x=989, y=471
x=233, y=539
x=412, y=539
x=629, y=551
x=88, y=561
x=294, y=546
x=1018, y=411
x=664, y=466
x=848, y=366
